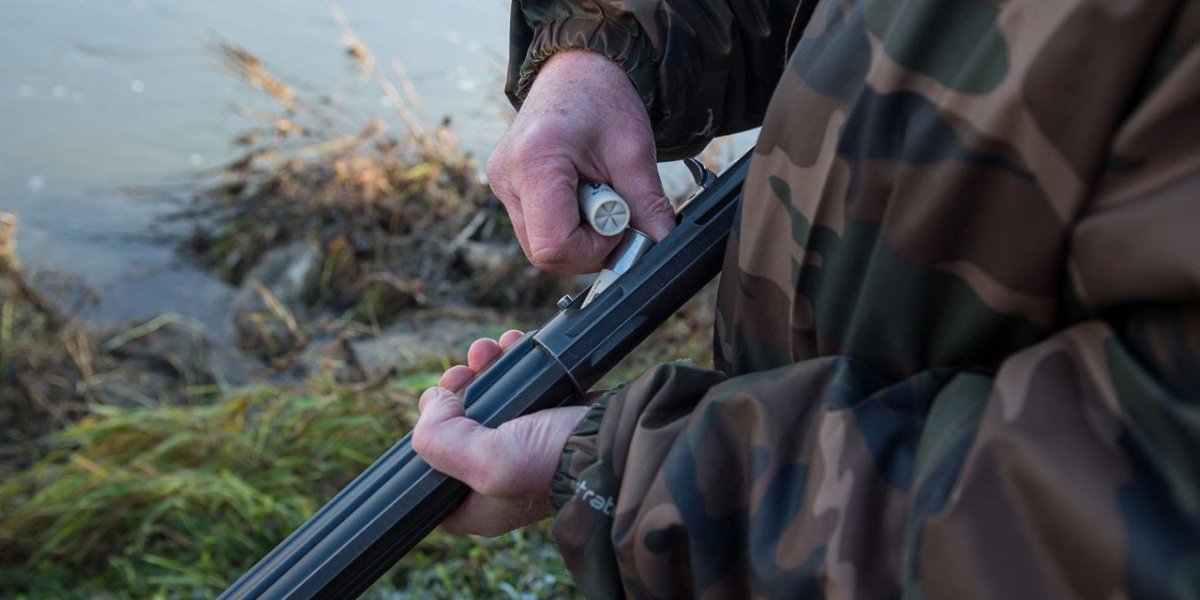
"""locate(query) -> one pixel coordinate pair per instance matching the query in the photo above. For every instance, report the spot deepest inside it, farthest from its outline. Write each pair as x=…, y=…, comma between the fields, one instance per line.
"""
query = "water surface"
x=98, y=97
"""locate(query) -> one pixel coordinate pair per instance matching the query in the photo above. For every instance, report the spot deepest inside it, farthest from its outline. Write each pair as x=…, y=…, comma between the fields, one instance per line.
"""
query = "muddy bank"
x=355, y=251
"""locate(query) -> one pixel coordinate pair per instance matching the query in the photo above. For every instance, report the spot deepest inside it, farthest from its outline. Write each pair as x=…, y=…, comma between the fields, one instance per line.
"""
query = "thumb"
x=447, y=439
x=492, y=462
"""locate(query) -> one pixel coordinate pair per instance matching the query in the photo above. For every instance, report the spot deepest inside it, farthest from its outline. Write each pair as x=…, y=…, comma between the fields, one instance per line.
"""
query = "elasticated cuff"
x=536, y=37
x=623, y=43
x=579, y=453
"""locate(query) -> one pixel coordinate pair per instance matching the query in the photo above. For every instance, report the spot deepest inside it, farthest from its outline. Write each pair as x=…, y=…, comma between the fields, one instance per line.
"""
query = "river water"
x=103, y=100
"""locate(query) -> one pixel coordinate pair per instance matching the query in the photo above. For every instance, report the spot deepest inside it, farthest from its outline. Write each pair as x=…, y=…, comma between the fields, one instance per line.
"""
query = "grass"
x=178, y=501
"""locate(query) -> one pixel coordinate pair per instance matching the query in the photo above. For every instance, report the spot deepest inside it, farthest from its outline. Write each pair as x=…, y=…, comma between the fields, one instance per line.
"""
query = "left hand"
x=508, y=468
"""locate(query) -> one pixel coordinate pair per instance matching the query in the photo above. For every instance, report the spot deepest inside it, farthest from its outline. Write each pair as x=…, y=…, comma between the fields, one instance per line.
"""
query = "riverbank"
x=144, y=459
x=177, y=491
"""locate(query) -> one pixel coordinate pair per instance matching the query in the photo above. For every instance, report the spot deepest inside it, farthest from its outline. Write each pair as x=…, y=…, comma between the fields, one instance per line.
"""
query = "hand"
x=582, y=119
x=508, y=468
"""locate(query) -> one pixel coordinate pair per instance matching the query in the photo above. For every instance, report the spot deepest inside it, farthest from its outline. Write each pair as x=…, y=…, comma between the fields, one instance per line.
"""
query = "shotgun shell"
x=603, y=209
x=628, y=252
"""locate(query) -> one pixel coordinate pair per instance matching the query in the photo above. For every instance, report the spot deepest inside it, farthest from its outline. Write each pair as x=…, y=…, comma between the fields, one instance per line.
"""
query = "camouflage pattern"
x=958, y=337
x=703, y=67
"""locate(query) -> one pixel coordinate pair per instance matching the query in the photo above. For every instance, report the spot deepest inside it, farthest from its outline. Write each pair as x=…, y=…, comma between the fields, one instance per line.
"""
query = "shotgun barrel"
x=381, y=515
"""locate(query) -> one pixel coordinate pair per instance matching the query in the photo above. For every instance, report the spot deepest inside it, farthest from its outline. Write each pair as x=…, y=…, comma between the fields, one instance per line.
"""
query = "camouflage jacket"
x=958, y=331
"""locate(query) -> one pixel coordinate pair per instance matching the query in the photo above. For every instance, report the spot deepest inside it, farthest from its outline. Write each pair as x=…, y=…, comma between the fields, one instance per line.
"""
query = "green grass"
x=178, y=501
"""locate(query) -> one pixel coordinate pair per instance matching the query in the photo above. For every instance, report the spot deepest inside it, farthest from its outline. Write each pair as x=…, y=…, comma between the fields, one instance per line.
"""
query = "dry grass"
x=47, y=362
x=387, y=209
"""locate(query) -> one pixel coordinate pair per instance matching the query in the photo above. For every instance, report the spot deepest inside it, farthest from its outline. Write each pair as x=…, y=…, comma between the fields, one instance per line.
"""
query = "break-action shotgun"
x=392, y=505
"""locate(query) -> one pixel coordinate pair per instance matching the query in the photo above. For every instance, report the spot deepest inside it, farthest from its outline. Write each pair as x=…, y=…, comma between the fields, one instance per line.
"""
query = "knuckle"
x=504, y=193
x=558, y=256
x=542, y=174
x=524, y=143
x=540, y=157
x=495, y=166
x=534, y=138
x=547, y=257
x=522, y=148
x=660, y=208
x=498, y=173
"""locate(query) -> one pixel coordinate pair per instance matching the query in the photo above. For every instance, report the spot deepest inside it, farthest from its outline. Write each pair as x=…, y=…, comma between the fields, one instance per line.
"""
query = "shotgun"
x=392, y=505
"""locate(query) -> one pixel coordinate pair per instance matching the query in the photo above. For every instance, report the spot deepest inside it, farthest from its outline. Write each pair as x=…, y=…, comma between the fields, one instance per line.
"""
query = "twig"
x=250, y=68
x=410, y=90
x=360, y=51
x=471, y=229
x=10, y=267
x=277, y=308
x=148, y=328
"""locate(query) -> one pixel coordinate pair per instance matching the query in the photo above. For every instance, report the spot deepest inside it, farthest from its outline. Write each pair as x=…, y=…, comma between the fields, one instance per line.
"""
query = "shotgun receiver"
x=381, y=515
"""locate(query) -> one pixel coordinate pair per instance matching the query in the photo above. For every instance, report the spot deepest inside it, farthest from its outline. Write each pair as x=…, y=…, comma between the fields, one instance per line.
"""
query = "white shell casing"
x=603, y=209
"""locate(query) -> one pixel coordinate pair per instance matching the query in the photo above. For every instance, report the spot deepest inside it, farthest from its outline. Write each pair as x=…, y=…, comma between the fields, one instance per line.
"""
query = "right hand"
x=582, y=119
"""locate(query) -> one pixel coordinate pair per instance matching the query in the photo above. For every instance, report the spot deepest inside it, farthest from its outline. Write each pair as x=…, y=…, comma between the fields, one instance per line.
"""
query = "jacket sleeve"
x=1071, y=470
x=703, y=68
